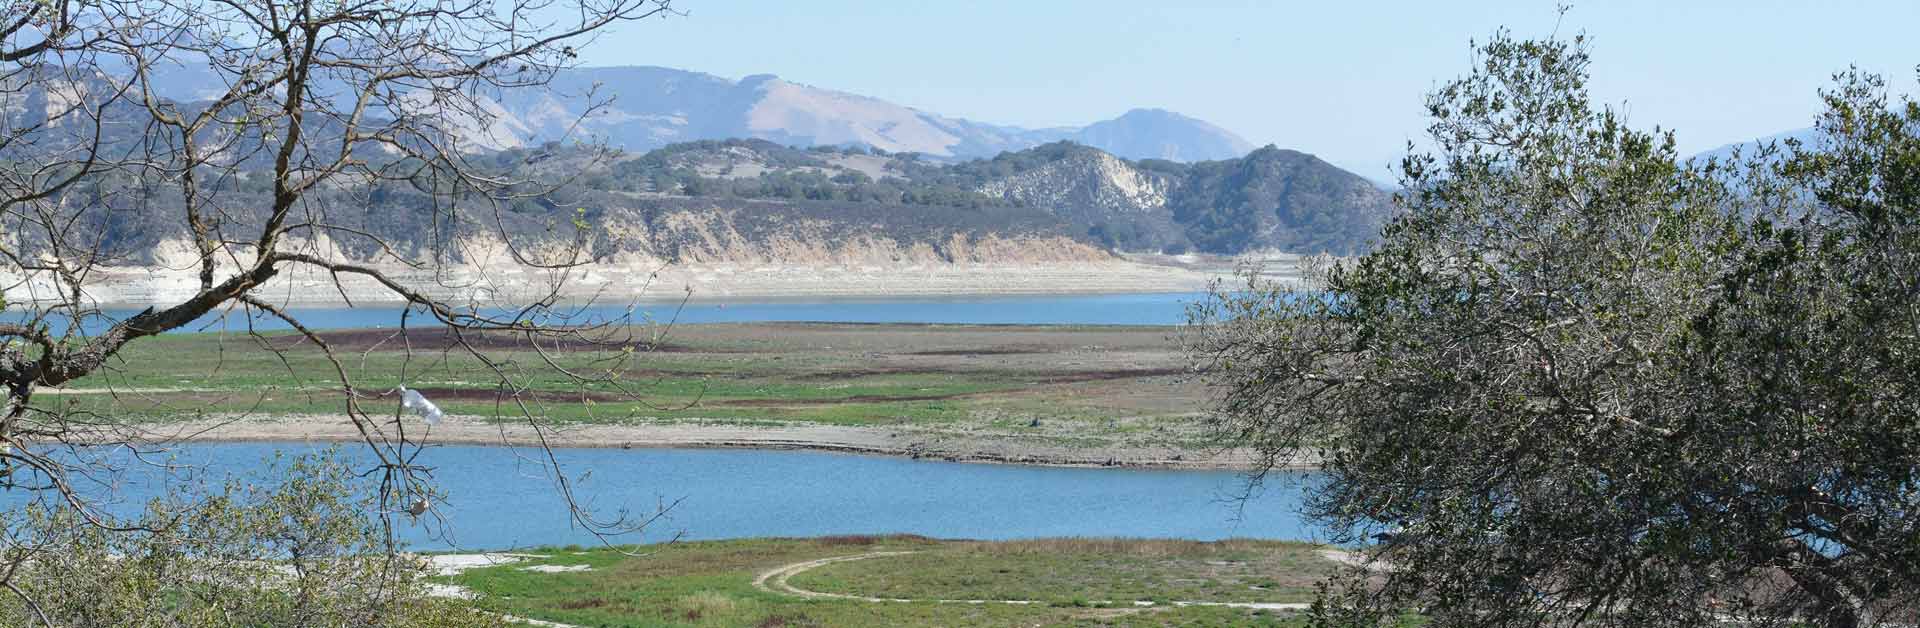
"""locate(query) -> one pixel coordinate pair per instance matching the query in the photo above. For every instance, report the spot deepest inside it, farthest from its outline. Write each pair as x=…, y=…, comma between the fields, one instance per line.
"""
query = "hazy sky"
x=1342, y=80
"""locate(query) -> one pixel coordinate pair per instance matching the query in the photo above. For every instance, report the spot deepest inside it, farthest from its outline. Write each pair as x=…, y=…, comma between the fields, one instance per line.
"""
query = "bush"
x=299, y=553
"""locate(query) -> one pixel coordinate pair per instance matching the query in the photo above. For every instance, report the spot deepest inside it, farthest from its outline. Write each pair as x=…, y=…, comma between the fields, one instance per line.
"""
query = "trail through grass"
x=711, y=583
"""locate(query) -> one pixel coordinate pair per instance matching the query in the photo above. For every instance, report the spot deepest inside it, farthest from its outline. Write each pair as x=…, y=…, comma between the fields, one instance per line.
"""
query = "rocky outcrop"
x=1089, y=187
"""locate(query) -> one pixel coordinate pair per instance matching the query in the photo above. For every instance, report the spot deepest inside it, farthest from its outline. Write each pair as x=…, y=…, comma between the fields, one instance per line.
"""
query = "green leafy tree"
x=299, y=551
x=1584, y=382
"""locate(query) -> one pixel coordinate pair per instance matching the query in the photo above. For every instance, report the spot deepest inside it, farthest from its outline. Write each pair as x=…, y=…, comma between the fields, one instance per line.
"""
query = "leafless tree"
x=300, y=107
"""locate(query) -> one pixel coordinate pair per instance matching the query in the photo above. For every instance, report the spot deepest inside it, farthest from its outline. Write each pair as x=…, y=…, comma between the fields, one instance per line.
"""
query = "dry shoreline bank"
x=900, y=442
x=620, y=284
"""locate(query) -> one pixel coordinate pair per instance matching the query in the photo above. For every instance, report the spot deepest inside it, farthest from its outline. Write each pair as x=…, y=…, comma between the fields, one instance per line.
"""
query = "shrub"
x=298, y=553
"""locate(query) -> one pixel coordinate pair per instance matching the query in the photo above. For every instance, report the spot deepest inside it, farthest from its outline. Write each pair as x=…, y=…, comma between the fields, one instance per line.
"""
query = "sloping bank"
x=665, y=248
x=920, y=444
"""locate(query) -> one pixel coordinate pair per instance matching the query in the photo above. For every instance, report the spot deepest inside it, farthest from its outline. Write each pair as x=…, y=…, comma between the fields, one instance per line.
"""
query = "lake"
x=1099, y=309
x=498, y=501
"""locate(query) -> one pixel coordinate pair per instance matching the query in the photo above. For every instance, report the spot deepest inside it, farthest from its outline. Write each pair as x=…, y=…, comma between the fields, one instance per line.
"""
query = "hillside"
x=1277, y=199
x=817, y=181
x=1271, y=199
x=752, y=216
x=752, y=201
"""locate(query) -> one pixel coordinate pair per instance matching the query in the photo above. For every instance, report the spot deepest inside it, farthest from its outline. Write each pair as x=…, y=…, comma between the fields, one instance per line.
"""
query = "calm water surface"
x=497, y=502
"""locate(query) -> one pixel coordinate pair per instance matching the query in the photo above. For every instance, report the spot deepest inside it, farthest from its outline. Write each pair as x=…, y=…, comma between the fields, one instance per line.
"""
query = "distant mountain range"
x=1805, y=135
x=699, y=148
x=653, y=107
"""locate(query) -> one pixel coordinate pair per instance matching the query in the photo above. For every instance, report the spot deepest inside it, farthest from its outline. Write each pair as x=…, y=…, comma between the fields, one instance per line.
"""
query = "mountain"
x=806, y=178
x=1279, y=199
x=652, y=107
x=759, y=203
x=1162, y=134
x=673, y=106
x=1806, y=135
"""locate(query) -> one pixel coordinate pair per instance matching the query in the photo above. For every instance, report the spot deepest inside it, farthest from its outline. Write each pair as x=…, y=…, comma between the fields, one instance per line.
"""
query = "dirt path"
x=776, y=581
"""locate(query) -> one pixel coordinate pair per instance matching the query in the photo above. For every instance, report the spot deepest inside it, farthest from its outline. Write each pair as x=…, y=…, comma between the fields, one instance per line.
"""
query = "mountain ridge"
x=831, y=213
x=1805, y=135
x=648, y=107
x=1270, y=199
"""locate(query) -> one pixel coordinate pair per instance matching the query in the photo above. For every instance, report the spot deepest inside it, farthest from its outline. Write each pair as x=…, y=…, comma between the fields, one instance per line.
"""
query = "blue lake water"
x=496, y=500
x=1098, y=309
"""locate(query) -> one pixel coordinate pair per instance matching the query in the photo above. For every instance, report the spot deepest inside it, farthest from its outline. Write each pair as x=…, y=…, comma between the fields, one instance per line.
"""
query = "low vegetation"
x=712, y=583
x=754, y=168
x=296, y=546
x=1082, y=570
x=1063, y=384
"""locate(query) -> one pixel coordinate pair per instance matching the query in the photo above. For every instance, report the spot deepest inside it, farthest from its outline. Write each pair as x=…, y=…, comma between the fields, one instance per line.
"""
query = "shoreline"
x=702, y=295
x=898, y=443
x=140, y=287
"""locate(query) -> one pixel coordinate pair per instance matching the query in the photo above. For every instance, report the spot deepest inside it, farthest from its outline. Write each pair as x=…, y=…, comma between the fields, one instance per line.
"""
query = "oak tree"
x=1581, y=380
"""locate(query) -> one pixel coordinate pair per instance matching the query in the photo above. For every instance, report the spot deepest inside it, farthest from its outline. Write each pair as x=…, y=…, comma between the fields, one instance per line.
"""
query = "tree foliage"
x=1583, y=381
x=296, y=551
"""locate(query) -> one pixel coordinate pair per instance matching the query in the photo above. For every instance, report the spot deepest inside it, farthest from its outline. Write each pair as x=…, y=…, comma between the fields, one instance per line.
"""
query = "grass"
x=1077, y=381
x=710, y=583
x=1082, y=569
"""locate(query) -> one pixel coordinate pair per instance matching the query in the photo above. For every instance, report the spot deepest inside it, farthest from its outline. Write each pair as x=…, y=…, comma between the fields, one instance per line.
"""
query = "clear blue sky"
x=1342, y=80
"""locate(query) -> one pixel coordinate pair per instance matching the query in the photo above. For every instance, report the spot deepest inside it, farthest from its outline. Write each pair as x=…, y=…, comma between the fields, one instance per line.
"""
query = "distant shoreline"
x=656, y=298
x=904, y=443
